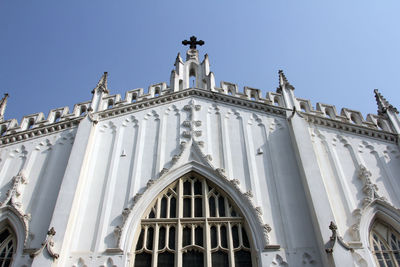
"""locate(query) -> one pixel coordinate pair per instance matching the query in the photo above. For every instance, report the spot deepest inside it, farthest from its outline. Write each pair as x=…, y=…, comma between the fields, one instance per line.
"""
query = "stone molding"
x=227, y=99
x=39, y=131
x=352, y=128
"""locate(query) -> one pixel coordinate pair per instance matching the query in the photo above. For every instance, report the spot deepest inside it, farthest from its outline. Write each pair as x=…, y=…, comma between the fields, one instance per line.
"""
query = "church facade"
x=200, y=175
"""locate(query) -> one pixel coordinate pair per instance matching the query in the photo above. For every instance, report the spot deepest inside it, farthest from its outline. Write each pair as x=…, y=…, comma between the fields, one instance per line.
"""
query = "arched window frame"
x=385, y=247
x=127, y=231
x=152, y=218
x=377, y=210
x=8, y=246
x=12, y=219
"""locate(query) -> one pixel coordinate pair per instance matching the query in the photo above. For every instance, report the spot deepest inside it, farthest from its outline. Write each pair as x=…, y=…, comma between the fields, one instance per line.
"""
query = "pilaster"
x=66, y=207
x=315, y=191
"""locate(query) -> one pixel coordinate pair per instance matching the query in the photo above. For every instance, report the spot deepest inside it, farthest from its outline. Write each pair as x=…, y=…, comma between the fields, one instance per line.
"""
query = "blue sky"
x=52, y=53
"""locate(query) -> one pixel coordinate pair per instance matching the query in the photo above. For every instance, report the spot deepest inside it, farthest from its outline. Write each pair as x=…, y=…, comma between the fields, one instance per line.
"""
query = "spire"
x=3, y=104
x=283, y=82
x=102, y=84
x=383, y=104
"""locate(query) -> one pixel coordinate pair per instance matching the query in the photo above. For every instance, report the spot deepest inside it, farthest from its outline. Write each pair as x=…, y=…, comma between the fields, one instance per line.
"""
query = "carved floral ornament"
x=195, y=147
x=371, y=195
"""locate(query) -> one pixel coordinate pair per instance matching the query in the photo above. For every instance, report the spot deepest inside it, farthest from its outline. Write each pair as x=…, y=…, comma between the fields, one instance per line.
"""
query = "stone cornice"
x=39, y=131
x=351, y=128
x=226, y=99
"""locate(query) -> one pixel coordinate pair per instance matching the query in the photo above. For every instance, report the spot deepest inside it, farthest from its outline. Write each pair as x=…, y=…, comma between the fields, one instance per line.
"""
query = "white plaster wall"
x=251, y=146
x=339, y=157
x=131, y=149
x=43, y=161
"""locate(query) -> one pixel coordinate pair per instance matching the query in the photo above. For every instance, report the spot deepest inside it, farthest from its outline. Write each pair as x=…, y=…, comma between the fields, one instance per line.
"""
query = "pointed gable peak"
x=283, y=82
x=383, y=104
x=102, y=84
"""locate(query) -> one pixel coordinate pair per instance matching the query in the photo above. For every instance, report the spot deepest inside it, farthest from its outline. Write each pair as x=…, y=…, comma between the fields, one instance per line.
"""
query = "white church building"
x=196, y=174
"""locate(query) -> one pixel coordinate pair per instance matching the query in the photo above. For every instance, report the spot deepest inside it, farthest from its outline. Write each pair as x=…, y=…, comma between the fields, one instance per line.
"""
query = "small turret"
x=388, y=111
x=3, y=104
x=99, y=92
x=203, y=78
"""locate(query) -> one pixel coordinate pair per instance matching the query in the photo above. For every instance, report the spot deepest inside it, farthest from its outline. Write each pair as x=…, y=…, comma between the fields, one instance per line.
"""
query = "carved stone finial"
x=333, y=228
x=383, y=104
x=48, y=244
x=3, y=104
x=102, y=84
x=283, y=82
x=333, y=238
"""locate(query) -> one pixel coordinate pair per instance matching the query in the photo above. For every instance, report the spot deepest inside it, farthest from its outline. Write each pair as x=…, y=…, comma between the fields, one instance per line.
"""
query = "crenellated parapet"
x=278, y=102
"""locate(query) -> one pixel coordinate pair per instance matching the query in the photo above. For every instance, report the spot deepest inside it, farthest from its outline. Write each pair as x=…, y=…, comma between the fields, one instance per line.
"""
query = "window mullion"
x=192, y=198
x=178, y=234
x=168, y=206
x=206, y=229
x=155, y=245
x=230, y=246
x=158, y=207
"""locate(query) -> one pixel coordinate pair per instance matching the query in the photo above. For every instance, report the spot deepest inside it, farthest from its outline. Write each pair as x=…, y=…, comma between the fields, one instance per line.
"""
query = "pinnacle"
x=283, y=82
x=383, y=104
x=3, y=104
x=102, y=84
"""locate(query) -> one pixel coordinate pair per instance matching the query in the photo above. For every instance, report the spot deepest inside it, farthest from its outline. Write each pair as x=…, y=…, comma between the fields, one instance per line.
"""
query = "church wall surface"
x=75, y=185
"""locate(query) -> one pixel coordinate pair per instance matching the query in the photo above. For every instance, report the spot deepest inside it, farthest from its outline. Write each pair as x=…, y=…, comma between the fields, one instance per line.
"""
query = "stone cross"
x=193, y=42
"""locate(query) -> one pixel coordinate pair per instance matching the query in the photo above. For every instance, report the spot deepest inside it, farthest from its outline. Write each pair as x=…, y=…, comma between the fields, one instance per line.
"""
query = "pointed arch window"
x=193, y=223
x=7, y=246
x=385, y=244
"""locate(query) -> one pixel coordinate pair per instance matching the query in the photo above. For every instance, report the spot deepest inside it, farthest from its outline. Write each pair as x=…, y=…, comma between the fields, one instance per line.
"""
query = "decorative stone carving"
x=191, y=123
x=149, y=183
x=13, y=201
x=307, y=260
x=278, y=261
x=186, y=124
x=249, y=194
x=13, y=194
x=335, y=237
x=370, y=190
x=48, y=244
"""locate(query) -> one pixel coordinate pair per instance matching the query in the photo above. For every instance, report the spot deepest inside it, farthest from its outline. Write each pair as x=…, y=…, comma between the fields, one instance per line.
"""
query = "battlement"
x=37, y=120
x=203, y=80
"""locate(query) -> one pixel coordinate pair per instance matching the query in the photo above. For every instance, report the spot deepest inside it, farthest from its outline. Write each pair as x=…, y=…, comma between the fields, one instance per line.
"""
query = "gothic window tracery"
x=385, y=244
x=7, y=246
x=192, y=223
